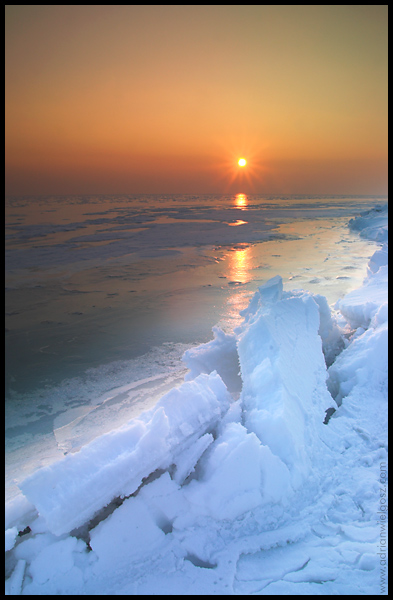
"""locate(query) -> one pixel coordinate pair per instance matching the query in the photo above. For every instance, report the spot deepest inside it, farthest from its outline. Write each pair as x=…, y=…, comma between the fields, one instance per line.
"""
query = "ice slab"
x=69, y=492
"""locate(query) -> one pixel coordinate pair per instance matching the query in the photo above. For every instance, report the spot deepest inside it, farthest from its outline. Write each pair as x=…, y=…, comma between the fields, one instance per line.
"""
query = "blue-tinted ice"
x=104, y=294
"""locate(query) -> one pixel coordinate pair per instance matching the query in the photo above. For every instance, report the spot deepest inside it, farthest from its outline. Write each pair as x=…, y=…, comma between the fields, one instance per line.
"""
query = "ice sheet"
x=195, y=299
x=231, y=495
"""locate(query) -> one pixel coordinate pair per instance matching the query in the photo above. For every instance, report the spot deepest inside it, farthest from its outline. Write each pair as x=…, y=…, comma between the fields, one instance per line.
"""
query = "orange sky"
x=165, y=99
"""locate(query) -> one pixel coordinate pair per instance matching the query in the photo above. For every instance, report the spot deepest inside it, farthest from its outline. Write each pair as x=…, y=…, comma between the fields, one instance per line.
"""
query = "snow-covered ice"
x=264, y=473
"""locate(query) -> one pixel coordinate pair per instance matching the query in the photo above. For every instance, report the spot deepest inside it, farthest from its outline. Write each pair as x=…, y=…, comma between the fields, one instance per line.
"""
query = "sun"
x=240, y=168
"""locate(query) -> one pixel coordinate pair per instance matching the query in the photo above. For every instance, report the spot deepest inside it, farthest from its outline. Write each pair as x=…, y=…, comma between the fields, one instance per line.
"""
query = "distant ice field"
x=105, y=293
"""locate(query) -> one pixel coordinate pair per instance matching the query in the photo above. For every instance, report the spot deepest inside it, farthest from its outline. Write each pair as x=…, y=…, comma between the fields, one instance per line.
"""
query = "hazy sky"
x=165, y=99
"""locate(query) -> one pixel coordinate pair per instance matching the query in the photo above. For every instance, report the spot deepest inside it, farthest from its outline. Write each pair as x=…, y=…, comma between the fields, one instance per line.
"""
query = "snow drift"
x=235, y=482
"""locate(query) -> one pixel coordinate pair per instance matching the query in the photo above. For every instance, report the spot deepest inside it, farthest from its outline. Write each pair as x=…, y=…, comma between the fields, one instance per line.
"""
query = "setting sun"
x=242, y=162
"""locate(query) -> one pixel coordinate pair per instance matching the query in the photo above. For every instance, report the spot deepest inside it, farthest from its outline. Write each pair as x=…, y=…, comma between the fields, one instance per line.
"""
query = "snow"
x=373, y=224
x=68, y=493
x=235, y=483
x=354, y=308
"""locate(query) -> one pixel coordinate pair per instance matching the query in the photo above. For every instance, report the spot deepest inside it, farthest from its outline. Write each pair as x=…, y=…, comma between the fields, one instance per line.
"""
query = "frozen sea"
x=170, y=362
x=92, y=280
x=105, y=293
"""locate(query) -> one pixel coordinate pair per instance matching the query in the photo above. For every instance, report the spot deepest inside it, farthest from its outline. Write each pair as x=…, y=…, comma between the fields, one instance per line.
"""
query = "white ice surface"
x=215, y=494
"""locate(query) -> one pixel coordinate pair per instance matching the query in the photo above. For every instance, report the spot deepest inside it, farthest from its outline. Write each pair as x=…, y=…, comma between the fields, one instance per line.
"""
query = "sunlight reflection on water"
x=241, y=201
x=95, y=279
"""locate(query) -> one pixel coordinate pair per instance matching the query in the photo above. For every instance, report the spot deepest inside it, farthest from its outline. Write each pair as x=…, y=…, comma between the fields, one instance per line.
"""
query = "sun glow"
x=244, y=173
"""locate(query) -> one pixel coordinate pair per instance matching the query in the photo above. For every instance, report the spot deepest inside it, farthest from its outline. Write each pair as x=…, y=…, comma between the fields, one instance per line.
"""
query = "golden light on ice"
x=242, y=162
